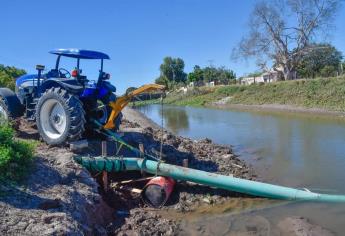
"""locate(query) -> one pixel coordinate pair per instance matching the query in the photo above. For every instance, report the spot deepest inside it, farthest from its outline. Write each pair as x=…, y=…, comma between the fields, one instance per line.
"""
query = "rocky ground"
x=59, y=197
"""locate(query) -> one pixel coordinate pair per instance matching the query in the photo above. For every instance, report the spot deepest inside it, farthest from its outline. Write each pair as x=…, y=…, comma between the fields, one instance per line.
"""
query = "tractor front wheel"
x=60, y=117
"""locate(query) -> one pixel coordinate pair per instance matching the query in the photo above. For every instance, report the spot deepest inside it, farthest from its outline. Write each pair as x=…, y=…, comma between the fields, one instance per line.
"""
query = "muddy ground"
x=59, y=197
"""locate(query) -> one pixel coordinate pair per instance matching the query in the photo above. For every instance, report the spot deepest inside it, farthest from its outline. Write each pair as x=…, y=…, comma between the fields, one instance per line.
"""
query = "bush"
x=15, y=155
x=328, y=71
x=8, y=74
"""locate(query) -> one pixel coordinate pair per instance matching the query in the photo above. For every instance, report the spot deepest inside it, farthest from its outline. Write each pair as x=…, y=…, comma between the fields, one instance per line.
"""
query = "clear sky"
x=136, y=34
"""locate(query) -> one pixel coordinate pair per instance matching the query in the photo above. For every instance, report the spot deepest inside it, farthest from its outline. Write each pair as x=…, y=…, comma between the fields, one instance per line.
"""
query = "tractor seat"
x=53, y=74
x=77, y=75
x=82, y=79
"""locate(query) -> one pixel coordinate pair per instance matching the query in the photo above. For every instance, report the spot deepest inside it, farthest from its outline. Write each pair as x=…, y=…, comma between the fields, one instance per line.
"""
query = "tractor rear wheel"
x=10, y=106
x=60, y=117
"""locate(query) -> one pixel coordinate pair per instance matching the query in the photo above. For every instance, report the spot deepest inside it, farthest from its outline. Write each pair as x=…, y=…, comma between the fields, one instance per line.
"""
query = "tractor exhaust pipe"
x=39, y=68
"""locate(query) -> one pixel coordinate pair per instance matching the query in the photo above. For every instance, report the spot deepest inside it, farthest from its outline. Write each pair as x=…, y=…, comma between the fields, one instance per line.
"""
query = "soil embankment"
x=60, y=197
x=323, y=96
x=278, y=108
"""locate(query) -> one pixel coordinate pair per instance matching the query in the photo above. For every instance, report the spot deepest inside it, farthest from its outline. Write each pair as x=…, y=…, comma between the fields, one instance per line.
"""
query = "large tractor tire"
x=10, y=106
x=60, y=117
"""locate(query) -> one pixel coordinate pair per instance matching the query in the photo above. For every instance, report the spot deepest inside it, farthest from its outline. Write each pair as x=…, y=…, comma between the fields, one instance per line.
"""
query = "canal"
x=302, y=151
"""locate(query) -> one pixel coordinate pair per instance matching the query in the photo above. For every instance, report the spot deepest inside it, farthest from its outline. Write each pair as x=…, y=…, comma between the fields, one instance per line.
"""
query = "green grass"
x=324, y=93
x=15, y=155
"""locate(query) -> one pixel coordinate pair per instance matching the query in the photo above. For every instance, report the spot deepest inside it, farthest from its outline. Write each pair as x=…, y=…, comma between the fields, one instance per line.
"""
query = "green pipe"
x=117, y=164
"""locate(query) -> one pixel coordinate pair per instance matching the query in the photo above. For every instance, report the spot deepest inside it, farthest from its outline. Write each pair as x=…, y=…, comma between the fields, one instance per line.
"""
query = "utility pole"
x=341, y=68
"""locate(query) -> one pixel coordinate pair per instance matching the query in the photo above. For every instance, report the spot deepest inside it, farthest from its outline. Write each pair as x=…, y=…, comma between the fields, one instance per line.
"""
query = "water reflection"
x=299, y=151
x=287, y=149
x=176, y=119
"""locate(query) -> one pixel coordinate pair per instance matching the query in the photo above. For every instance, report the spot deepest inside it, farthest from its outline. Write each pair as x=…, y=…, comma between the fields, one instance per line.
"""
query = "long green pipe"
x=117, y=164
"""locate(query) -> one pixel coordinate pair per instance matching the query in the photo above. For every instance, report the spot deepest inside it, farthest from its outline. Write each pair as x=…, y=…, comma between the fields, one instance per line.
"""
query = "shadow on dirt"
x=24, y=195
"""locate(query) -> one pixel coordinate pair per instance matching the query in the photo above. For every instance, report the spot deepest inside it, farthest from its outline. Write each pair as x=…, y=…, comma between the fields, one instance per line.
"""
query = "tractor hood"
x=26, y=80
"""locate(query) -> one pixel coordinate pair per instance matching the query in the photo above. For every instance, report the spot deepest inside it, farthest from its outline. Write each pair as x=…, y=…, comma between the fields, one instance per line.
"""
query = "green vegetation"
x=324, y=93
x=172, y=73
x=322, y=60
x=220, y=75
x=8, y=74
x=15, y=155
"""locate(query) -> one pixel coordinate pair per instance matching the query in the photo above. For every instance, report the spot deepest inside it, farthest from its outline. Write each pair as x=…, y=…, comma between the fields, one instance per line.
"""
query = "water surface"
x=303, y=151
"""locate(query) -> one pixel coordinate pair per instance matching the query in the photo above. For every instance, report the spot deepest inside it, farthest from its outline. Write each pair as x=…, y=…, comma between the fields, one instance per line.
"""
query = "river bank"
x=60, y=197
x=324, y=96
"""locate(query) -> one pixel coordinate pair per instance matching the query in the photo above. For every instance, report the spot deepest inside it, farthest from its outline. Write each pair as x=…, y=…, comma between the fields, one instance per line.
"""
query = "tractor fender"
x=14, y=106
x=71, y=85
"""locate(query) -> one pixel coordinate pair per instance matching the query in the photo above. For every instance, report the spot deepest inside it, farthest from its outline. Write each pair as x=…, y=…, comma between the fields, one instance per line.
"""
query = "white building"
x=267, y=77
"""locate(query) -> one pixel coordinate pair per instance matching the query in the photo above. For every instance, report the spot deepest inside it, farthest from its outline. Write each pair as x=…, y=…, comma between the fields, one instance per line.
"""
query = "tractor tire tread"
x=76, y=114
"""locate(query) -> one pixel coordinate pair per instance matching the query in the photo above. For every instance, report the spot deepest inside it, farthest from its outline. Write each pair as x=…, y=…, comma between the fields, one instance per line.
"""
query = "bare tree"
x=280, y=31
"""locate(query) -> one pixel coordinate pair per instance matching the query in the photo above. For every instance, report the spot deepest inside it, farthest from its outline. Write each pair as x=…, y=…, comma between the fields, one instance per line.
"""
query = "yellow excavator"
x=122, y=102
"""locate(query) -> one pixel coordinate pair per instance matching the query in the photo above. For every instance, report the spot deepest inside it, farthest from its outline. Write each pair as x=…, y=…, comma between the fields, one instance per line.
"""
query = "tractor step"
x=31, y=109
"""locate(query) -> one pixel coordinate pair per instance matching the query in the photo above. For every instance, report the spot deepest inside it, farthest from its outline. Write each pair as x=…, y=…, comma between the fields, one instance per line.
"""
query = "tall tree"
x=281, y=31
x=323, y=60
x=173, y=69
x=196, y=75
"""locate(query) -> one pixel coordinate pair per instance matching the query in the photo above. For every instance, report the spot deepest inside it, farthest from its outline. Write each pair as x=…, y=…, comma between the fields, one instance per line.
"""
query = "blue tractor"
x=63, y=103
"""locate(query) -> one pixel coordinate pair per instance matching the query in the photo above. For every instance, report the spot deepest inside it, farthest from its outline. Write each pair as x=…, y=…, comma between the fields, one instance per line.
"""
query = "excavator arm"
x=121, y=102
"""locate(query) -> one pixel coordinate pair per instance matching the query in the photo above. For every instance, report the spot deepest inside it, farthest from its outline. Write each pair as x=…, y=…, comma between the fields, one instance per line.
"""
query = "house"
x=266, y=77
x=196, y=84
x=210, y=84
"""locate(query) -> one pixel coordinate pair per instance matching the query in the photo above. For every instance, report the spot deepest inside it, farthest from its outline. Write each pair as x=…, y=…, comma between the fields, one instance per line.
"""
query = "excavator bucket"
x=121, y=102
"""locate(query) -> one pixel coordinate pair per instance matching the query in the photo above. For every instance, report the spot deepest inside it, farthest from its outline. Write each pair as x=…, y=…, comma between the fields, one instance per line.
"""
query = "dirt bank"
x=276, y=108
x=59, y=197
x=201, y=154
x=187, y=198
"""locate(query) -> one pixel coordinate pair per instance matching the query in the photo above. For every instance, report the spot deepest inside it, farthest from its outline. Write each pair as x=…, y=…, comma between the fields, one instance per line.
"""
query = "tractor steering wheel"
x=64, y=73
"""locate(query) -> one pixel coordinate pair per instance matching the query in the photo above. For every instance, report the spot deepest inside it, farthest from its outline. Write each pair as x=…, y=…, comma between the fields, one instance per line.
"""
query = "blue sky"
x=136, y=34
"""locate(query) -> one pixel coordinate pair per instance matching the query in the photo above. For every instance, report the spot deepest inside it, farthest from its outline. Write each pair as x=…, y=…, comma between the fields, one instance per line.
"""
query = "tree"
x=328, y=71
x=208, y=74
x=322, y=60
x=196, y=75
x=226, y=76
x=130, y=89
x=281, y=31
x=8, y=74
x=173, y=70
x=163, y=81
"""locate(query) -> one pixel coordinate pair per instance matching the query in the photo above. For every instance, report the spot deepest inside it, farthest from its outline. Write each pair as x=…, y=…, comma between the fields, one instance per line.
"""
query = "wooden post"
x=185, y=163
x=104, y=149
x=142, y=151
x=104, y=173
